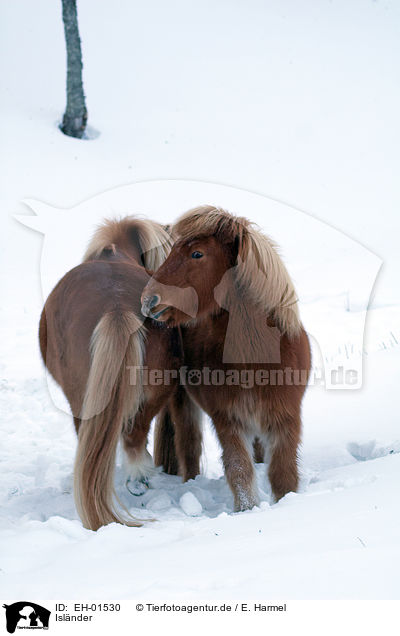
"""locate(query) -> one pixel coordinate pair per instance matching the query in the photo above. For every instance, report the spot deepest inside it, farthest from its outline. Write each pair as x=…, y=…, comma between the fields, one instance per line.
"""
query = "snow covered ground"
x=298, y=102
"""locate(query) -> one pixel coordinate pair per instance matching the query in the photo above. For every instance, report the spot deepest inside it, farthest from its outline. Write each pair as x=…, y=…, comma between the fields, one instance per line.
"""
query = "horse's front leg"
x=238, y=462
x=178, y=437
x=186, y=416
x=284, y=436
x=138, y=463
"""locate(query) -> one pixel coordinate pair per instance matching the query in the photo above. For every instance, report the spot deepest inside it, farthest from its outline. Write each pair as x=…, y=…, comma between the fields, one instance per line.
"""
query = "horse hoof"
x=137, y=487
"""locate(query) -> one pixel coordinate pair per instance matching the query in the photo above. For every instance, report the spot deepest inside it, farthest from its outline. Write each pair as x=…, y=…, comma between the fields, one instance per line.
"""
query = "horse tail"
x=110, y=400
x=164, y=443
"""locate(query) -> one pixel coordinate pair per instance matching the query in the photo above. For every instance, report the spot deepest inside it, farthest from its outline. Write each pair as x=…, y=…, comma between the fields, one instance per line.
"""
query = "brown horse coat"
x=95, y=342
x=245, y=321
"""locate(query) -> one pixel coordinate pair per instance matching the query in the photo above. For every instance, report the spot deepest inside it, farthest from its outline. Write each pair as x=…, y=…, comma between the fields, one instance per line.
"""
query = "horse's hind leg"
x=238, y=463
x=138, y=463
x=258, y=450
x=283, y=469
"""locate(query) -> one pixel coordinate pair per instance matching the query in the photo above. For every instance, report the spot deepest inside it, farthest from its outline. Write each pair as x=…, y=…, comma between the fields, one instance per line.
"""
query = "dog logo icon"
x=26, y=615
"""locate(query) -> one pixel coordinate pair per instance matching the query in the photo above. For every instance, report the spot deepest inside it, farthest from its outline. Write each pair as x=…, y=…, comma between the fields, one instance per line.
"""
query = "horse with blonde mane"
x=246, y=354
x=95, y=343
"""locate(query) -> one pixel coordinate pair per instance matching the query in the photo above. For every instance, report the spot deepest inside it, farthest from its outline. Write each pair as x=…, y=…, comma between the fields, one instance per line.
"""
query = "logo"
x=26, y=615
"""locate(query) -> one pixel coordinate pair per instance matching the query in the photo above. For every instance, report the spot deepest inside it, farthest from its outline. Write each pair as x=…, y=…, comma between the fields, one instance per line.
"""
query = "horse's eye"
x=197, y=255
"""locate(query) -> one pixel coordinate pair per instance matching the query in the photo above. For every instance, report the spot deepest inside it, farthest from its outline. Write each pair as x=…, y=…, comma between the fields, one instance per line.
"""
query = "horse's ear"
x=236, y=245
x=155, y=244
x=238, y=241
x=135, y=241
x=242, y=244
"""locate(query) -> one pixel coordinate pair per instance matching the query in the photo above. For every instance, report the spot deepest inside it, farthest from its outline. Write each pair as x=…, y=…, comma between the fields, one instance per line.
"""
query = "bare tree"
x=75, y=116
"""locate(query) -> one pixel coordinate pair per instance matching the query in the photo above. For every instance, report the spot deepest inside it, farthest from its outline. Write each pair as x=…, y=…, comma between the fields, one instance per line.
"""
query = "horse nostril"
x=153, y=301
x=148, y=303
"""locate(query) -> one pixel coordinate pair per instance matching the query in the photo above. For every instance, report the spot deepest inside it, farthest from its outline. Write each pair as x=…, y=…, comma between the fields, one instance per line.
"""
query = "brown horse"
x=96, y=344
x=247, y=357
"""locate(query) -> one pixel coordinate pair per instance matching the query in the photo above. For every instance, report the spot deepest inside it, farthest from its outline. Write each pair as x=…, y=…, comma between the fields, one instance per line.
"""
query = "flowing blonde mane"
x=262, y=277
x=154, y=241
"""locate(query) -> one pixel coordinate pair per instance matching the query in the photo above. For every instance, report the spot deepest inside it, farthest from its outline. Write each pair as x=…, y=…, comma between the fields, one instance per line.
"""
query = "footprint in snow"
x=370, y=450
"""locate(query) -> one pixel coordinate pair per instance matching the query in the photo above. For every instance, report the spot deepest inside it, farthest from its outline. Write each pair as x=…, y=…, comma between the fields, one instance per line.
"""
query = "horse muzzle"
x=157, y=298
x=151, y=307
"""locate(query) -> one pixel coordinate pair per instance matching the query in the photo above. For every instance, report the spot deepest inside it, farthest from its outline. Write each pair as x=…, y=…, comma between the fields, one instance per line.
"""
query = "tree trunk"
x=75, y=116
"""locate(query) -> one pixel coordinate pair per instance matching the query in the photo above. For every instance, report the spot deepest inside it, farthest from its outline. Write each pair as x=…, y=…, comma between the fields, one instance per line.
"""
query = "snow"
x=295, y=106
x=190, y=505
